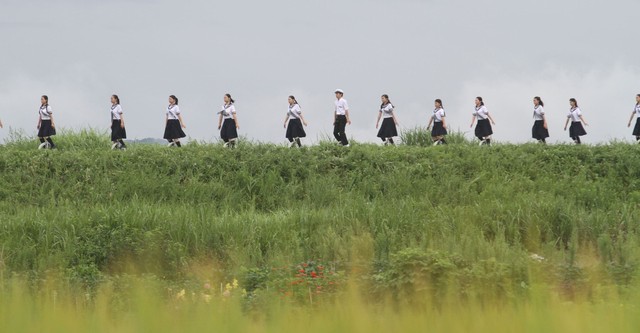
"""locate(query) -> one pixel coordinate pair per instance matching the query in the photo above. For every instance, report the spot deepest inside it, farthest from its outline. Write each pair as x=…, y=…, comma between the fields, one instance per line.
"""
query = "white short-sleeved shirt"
x=116, y=112
x=45, y=112
x=538, y=112
x=228, y=110
x=341, y=107
x=636, y=109
x=294, y=111
x=574, y=114
x=173, y=112
x=438, y=114
x=387, y=110
x=481, y=112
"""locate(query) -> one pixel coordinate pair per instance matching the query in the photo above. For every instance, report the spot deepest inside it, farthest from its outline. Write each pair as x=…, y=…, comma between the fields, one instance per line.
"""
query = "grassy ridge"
x=83, y=210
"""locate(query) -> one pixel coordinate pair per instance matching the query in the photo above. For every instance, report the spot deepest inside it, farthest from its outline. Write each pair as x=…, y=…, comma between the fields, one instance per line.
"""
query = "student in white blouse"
x=228, y=122
x=635, y=113
x=173, y=123
x=46, y=125
x=540, y=130
x=438, y=119
x=293, y=123
x=483, y=128
x=388, y=130
x=118, y=132
x=575, y=116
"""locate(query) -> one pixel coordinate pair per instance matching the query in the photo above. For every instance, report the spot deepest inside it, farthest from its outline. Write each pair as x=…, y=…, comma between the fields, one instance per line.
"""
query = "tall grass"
x=452, y=223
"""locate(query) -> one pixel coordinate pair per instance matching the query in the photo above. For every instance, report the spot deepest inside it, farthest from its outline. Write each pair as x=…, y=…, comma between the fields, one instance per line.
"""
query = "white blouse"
x=636, y=109
x=294, y=111
x=342, y=107
x=228, y=110
x=538, y=113
x=173, y=112
x=387, y=110
x=116, y=112
x=45, y=112
x=574, y=114
x=438, y=114
x=481, y=112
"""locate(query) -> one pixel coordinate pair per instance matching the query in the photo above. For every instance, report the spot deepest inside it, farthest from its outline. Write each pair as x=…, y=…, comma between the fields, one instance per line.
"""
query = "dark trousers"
x=339, y=127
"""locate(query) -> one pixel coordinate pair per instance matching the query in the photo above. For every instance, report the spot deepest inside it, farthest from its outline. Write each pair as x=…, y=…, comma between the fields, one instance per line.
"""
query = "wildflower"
x=228, y=287
x=313, y=274
x=180, y=295
x=235, y=284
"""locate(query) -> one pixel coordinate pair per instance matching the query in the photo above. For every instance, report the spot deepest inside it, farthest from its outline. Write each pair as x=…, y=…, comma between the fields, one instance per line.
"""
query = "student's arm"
x=395, y=119
x=53, y=123
x=0, y=123
x=544, y=124
x=378, y=120
x=121, y=121
x=335, y=117
x=346, y=113
x=285, y=120
x=566, y=123
x=630, y=119
x=431, y=122
x=235, y=118
x=584, y=121
x=39, y=121
x=220, y=121
x=304, y=122
x=491, y=118
x=181, y=121
x=444, y=121
x=473, y=120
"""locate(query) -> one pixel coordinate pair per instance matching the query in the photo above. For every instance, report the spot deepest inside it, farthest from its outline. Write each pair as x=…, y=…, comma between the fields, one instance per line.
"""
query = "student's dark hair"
x=439, y=101
x=230, y=98
x=638, y=95
x=46, y=99
x=295, y=101
x=481, y=101
x=540, y=102
x=388, y=100
x=173, y=97
x=574, y=101
x=118, y=99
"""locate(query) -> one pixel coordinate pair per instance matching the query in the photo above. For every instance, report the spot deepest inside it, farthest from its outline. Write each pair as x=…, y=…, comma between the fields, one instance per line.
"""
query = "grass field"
x=264, y=238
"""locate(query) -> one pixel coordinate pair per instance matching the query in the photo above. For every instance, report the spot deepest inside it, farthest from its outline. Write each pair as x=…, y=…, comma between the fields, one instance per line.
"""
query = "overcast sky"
x=79, y=52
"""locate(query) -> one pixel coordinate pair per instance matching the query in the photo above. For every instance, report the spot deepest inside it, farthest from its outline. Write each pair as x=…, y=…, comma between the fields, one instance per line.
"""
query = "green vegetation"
x=422, y=228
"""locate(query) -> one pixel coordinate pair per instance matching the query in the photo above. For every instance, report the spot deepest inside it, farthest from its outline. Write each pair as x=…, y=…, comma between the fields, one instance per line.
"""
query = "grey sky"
x=80, y=52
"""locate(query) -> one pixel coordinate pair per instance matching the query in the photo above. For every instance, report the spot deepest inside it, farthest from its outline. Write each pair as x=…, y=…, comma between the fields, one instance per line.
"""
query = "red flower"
x=313, y=274
x=301, y=271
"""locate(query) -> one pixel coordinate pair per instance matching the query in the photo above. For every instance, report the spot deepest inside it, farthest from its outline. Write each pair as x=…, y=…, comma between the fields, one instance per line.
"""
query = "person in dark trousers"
x=228, y=122
x=575, y=116
x=46, y=124
x=635, y=113
x=439, y=122
x=388, y=130
x=118, y=131
x=341, y=118
x=293, y=123
x=483, y=128
x=174, y=124
x=540, y=130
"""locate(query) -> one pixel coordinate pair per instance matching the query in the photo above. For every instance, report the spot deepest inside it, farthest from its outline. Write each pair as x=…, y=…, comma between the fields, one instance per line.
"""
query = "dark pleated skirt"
x=636, y=129
x=228, y=130
x=117, y=132
x=295, y=130
x=483, y=129
x=173, y=130
x=387, y=129
x=538, y=131
x=438, y=129
x=46, y=129
x=576, y=129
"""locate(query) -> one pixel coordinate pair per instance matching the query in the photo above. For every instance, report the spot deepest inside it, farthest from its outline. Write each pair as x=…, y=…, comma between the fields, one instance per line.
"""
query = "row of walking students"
x=294, y=122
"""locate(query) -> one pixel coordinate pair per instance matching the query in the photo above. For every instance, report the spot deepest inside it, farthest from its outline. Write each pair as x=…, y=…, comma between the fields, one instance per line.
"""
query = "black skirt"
x=387, y=129
x=295, y=129
x=46, y=130
x=117, y=132
x=538, y=131
x=576, y=129
x=483, y=129
x=636, y=129
x=438, y=129
x=173, y=130
x=228, y=130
